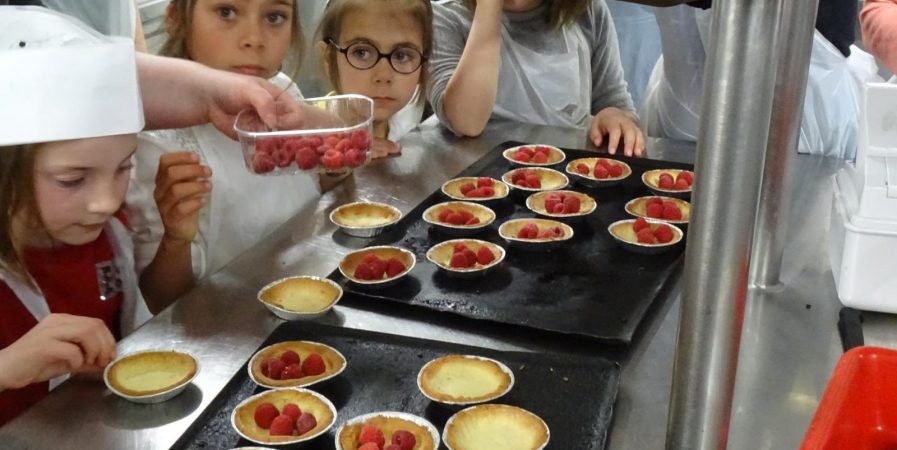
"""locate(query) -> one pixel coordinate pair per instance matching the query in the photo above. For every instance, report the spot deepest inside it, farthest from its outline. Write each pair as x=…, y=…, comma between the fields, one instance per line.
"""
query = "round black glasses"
x=364, y=56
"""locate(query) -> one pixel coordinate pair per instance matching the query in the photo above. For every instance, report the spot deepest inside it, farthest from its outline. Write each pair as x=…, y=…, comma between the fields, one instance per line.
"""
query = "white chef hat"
x=62, y=80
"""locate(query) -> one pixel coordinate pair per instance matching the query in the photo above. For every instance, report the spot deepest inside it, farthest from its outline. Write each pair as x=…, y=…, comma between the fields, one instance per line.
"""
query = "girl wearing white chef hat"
x=70, y=113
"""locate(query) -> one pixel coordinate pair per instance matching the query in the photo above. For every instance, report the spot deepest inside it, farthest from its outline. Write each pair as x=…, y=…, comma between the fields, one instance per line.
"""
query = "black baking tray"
x=574, y=395
x=589, y=287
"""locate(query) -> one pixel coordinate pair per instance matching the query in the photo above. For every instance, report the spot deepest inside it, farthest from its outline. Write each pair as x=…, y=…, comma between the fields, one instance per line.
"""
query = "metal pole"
x=798, y=21
x=739, y=82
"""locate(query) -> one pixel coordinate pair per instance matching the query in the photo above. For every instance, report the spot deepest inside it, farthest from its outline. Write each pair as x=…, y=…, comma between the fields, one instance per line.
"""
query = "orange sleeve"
x=879, y=23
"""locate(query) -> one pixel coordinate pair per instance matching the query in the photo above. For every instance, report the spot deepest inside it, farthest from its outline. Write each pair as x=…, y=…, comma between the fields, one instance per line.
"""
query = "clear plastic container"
x=335, y=136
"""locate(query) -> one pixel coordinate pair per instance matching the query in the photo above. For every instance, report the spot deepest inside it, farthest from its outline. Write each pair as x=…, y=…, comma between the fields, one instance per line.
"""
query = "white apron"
x=547, y=91
x=133, y=309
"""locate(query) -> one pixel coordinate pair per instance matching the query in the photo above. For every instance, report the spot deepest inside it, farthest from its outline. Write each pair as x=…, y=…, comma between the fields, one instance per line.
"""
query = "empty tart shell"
x=243, y=417
x=294, y=297
x=464, y=379
x=495, y=427
x=334, y=363
x=150, y=373
x=364, y=219
x=425, y=434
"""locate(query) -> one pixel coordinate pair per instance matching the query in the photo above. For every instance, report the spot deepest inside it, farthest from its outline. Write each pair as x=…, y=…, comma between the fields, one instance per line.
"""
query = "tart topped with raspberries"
x=379, y=265
x=475, y=189
x=535, y=155
x=387, y=431
x=295, y=363
x=536, y=179
x=283, y=416
x=668, y=209
x=599, y=171
x=669, y=181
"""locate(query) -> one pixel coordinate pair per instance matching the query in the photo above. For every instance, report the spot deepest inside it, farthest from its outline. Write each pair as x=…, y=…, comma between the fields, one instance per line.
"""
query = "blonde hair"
x=180, y=19
x=17, y=200
x=331, y=27
x=560, y=12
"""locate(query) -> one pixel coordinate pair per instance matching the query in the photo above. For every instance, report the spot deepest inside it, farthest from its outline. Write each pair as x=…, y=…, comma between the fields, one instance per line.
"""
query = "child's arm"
x=879, y=24
x=57, y=345
x=469, y=95
x=181, y=186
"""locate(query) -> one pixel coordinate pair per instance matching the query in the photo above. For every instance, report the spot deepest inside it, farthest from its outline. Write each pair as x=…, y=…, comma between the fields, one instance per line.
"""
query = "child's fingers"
x=629, y=137
x=63, y=357
x=639, y=143
x=188, y=207
x=596, y=133
x=180, y=191
x=176, y=158
x=168, y=176
x=90, y=334
x=613, y=140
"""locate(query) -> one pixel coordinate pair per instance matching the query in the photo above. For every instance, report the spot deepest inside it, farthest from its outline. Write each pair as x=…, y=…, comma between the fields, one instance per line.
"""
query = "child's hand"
x=57, y=345
x=383, y=148
x=617, y=123
x=181, y=185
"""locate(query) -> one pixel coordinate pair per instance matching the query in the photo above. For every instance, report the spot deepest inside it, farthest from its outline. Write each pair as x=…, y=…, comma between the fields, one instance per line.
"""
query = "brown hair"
x=16, y=201
x=331, y=27
x=180, y=18
x=560, y=12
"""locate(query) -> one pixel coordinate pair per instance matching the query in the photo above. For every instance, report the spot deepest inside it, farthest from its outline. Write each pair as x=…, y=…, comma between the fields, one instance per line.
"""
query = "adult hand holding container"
x=333, y=135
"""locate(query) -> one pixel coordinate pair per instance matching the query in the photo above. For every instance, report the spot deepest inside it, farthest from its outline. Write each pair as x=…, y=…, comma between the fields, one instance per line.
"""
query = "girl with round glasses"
x=380, y=48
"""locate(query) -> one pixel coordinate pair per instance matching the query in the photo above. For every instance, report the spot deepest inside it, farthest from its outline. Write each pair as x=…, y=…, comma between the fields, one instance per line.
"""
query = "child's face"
x=386, y=31
x=244, y=36
x=79, y=184
x=520, y=5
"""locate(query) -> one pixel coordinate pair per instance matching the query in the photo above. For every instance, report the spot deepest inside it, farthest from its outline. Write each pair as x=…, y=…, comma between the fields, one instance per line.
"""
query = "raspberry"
x=392, y=447
x=522, y=183
x=672, y=212
x=370, y=257
x=582, y=169
x=361, y=139
x=404, y=439
x=443, y=215
x=542, y=149
x=557, y=231
x=363, y=272
x=292, y=410
x=466, y=187
x=601, y=172
x=687, y=176
x=645, y=236
x=681, y=185
x=472, y=221
x=486, y=192
x=459, y=261
x=332, y=140
x=369, y=446
x=283, y=157
x=275, y=369
x=664, y=234
x=545, y=234
x=475, y=193
x=306, y=158
x=355, y=158
x=484, y=257
x=322, y=149
x=559, y=208
x=262, y=163
x=485, y=182
x=291, y=372
x=666, y=175
x=371, y=434
x=305, y=423
x=454, y=219
x=533, y=181
x=522, y=157
x=471, y=257
x=615, y=170
x=394, y=267
x=654, y=211
x=518, y=175
x=665, y=182
x=333, y=159
x=657, y=200
x=343, y=145
x=265, y=414
x=640, y=224
x=282, y=426
x=528, y=231
x=378, y=269
x=315, y=141
x=540, y=158
x=267, y=146
x=573, y=204
x=459, y=247
x=603, y=163
x=465, y=215
x=313, y=365
x=265, y=364
x=289, y=357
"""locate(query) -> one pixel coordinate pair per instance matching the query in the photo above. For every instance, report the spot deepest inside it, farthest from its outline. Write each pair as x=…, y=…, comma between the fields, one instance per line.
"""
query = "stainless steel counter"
x=789, y=347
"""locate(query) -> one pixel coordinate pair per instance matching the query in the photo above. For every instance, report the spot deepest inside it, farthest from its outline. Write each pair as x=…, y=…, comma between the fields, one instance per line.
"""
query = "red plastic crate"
x=859, y=407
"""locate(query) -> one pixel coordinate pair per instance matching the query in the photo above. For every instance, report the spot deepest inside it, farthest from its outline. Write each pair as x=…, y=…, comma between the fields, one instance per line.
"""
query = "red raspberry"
x=615, y=170
x=665, y=181
x=664, y=234
x=528, y=231
x=551, y=200
x=265, y=414
x=680, y=185
x=542, y=149
x=322, y=149
x=333, y=159
x=313, y=365
x=404, y=439
x=522, y=157
x=444, y=213
x=645, y=236
x=343, y=145
x=545, y=234
x=459, y=261
x=657, y=200
x=265, y=365
x=603, y=163
x=291, y=372
x=559, y=208
x=687, y=176
x=314, y=141
x=601, y=172
x=369, y=446
x=267, y=146
x=472, y=221
x=363, y=272
x=484, y=257
x=582, y=169
x=486, y=192
x=640, y=224
x=305, y=423
x=459, y=247
x=672, y=212
x=289, y=357
x=361, y=139
x=331, y=141
x=306, y=158
x=282, y=426
x=518, y=175
x=465, y=215
x=485, y=182
x=475, y=193
x=455, y=219
x=654, y=211
x=292, y=410
x=370, y=257
x=371, y=434
x=522, y=183
x=283, y=157
x=573, y=204
x=466, y=187
x=355, y=158
x=275, y=369
x=533, y=181
x=394, y=267
x=378, y=269
x=471, y=257
x=557, y=231
x=393, y=447
x=262, y=163
x=540, y=158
